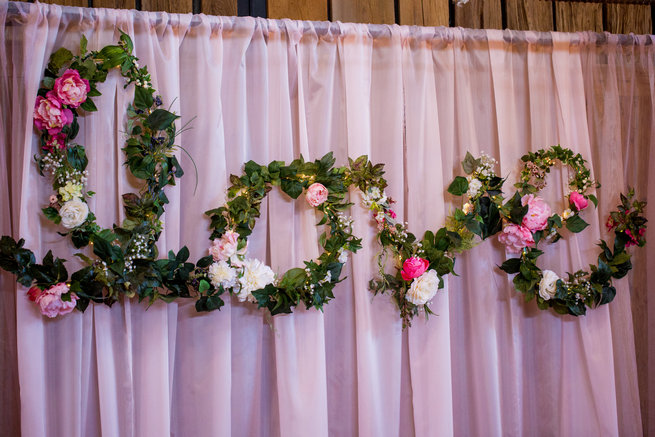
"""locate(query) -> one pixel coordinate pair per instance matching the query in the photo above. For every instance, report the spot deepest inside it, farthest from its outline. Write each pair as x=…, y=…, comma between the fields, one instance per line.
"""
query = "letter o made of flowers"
x=229, y=268
x=525, y=220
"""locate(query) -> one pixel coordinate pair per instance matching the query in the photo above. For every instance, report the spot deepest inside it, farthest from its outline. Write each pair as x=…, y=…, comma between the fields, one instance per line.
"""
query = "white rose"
x=474, y=187
x=221, y=273
x=256, y=275
x=73, y=213
x=423, y=288
x=548, y=284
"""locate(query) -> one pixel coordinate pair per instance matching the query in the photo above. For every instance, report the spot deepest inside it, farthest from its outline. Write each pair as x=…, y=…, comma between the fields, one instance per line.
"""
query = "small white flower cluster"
x=138, y=250
x=343, y=256
x=373, y=197
x=475, y=185
x=486, y=167
x=73, y=176
x=52, y=162
x=344, y=221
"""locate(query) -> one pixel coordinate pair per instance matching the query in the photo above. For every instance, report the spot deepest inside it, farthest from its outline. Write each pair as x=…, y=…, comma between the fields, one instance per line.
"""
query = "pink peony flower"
x=57, y=141
x=538, y=213
x=33, y=293
x=71, y=89
x=516, y=237
x=225, y=247
x=316, y=194
x=414, y=267
x=51, y=303
x=50, y=115
x=578, y=201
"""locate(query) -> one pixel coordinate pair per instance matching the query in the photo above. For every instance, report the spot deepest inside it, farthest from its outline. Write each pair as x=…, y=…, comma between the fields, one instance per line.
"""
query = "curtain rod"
x=17, y=9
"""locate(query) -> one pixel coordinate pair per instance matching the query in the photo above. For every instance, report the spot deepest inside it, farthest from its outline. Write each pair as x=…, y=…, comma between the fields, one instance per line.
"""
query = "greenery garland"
x=126, y=263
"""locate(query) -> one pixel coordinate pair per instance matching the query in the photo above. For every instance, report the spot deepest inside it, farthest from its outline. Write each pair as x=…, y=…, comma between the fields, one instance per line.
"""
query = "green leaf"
x=292, y=187
x=593, y=199
x=470, y=163
x=113, y=56
x=293, y=278
x=459, y=186
x=77, y=157
x=576, y=224
x=83, y=43
x=143, y=98
x=511, y=266
x=129, y=46
x=160, y=119
x=182, y=255
x=205, y=261
x=48, y=82
x=203, y=286
x=58, y=59
x=89, y=106
x=52, y=214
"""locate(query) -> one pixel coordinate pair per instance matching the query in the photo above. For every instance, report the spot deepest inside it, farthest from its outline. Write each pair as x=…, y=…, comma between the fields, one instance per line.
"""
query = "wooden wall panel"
x=575, y=17
x=629, y=18
x=364, y=11
x=219, y=7
x=529, y=15
x=83, y=3
x=175, y=6
x=316, y=10
x=479, y=14
x=424, y=12
x=114, y=4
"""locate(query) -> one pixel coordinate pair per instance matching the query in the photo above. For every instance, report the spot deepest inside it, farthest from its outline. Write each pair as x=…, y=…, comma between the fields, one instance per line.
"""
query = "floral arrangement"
x=325, y=188
x=125, y=262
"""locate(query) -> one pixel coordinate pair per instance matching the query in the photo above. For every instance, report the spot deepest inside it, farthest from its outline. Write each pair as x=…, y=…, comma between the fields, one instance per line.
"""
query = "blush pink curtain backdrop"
x=416, y=99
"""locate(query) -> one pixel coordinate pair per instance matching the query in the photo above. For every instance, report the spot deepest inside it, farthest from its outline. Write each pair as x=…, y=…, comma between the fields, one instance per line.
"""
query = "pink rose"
x=316, y=194
x=33, y=293
x=57, y=141
x=51, y=303
x=71, y=89
x=225, y=247
x=578, y=201
x=414, y=267
x=538, y=213
x=516, y=237
x=50, y=115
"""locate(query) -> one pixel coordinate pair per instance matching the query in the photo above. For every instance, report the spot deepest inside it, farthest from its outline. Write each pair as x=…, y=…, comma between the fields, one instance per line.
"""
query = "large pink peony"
x=414, y=267
x=578, y=201
x=71, y=89
x=316, y=194
x=51, y=303
x=49, y=114
x=225, y=247
x=538, y=213
x=516, y=237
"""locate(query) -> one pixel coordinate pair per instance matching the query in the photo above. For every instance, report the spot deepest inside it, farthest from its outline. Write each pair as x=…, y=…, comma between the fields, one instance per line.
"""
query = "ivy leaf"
x=511, y=266
x=459, y=186
x=576, y=224
x=52, y=214
x=203, y=286
x=470, y=163
x=58, y=59
x=143, y=98
x=293, y=278
x=77, y=157
x=160, y=119
x=292, y=187
x=89, y=106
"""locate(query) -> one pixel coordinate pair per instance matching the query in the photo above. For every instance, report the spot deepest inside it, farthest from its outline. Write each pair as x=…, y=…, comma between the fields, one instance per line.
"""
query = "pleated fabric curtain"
x=413, y=98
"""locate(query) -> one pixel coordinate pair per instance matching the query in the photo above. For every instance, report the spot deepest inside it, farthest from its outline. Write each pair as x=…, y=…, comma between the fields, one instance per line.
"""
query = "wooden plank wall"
x=541, y=15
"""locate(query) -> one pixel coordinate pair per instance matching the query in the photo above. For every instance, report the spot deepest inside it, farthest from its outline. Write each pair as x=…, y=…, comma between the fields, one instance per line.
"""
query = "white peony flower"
x=73, y=213
x=474, y=187
x=548, y=284
x=423, y=288
x=221, y=273
x=256, y=275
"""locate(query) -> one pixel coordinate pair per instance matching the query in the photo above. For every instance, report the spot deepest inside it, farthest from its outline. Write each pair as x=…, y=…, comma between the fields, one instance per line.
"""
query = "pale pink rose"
x=578, y=201
x=51, y=303
x=57, y=141
x=225, y=247
x=516, y=237
x=538, y=213
x=316, y=194
x=71, y=88
x=414, y=267
x=33, y=293
x=50, y=115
